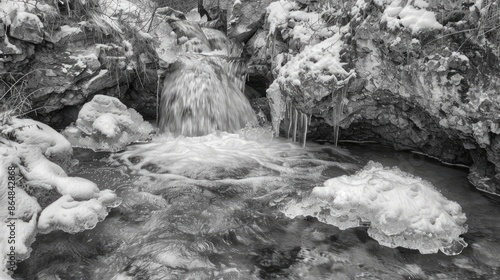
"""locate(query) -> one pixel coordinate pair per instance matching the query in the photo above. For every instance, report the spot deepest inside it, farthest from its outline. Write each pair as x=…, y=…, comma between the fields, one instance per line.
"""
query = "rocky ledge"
x=418, y=75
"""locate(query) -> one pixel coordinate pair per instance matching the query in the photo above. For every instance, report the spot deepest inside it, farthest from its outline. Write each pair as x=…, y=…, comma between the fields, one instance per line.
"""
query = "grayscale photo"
x=249, y=139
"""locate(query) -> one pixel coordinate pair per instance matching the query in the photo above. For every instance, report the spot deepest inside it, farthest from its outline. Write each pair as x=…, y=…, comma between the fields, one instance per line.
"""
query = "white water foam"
x=223, y=155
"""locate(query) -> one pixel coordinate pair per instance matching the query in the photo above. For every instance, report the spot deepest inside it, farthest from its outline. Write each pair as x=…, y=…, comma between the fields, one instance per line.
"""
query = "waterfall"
x=203, y=91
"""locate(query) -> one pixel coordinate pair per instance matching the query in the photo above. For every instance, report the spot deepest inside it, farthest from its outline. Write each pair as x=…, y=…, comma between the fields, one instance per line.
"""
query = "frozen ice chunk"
x=401, y=209
x=106, y=124
x=71, y=216
x=42, y=172
x=31, y=132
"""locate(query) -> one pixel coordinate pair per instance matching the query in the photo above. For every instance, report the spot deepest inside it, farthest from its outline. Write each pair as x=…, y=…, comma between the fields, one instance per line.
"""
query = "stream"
x=208, y=208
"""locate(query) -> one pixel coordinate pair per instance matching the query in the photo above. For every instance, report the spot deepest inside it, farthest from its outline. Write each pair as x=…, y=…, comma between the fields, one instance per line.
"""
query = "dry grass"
x=15, y=102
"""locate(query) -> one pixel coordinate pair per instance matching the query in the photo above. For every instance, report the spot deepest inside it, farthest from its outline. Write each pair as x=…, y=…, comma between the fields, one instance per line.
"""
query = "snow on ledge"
x=402, y=210
x=414, y=17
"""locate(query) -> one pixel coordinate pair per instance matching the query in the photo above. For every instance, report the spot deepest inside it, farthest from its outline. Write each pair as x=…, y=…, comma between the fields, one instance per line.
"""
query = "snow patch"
x=278, y=14
x=415, y=17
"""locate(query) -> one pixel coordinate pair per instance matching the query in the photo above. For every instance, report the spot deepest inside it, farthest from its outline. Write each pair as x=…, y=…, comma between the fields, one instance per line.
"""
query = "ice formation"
x=26, y=148
x=30, y=132
x=73, y=216
x=278, y=14
x=106, y=124
x=402, y=210
x=309, y=76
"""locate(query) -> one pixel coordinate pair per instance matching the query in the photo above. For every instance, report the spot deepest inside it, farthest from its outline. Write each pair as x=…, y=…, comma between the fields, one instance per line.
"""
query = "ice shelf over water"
x=402, y=209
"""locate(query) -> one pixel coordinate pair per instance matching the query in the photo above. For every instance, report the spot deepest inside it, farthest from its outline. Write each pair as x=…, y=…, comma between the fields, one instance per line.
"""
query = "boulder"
x=106, y=124
x=414, y=88
x=27, y=27
x=245, y=17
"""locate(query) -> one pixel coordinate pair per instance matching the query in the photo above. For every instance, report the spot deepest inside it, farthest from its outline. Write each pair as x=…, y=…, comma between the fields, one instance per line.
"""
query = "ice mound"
x=30, y=132
x=106, y=124
x=73, y=216
x=27, y=176
x=401, y=209
x=25, y=215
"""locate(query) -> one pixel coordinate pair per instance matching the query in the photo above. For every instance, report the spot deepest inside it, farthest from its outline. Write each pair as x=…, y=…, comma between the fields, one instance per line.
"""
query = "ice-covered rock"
x=34, y=133
x=71, y=216
x=27, y=176
x=42, y=172
x=401, y=209
x=314, y=73
x=414, y=17
x=24, y=215
x=245, y=17
x=106, y=124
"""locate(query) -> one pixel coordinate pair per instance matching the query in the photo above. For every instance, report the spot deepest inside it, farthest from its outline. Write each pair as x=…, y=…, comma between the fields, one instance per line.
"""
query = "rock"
x=415, y=88
x=106, y=124
x=7, y=48
x=27, y=27
x=245, y=17
x=64, y=32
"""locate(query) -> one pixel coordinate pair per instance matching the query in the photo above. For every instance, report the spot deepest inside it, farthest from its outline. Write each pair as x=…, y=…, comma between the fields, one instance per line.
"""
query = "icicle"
x=305, y=131
x=289, y=118
x=296, y=114
x=301, y=125
x=335, y=119
x=338, y=103
x=278, y=106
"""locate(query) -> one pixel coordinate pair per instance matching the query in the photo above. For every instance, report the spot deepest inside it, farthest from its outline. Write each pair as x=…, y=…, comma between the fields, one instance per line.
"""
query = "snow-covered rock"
x=106, y=124
x=401, y=209
x=418, y=84
x=245, y=17
x=70, y=215
x=34, y=133
x=26, y=146
x=27, y=27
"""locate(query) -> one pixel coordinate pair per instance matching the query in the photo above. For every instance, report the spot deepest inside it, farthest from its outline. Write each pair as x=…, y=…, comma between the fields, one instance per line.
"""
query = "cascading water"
x=203, y=93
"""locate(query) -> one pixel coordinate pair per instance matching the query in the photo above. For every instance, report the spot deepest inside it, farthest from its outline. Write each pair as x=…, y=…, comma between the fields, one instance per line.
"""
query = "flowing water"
x=203, y=90
x=208, y=208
